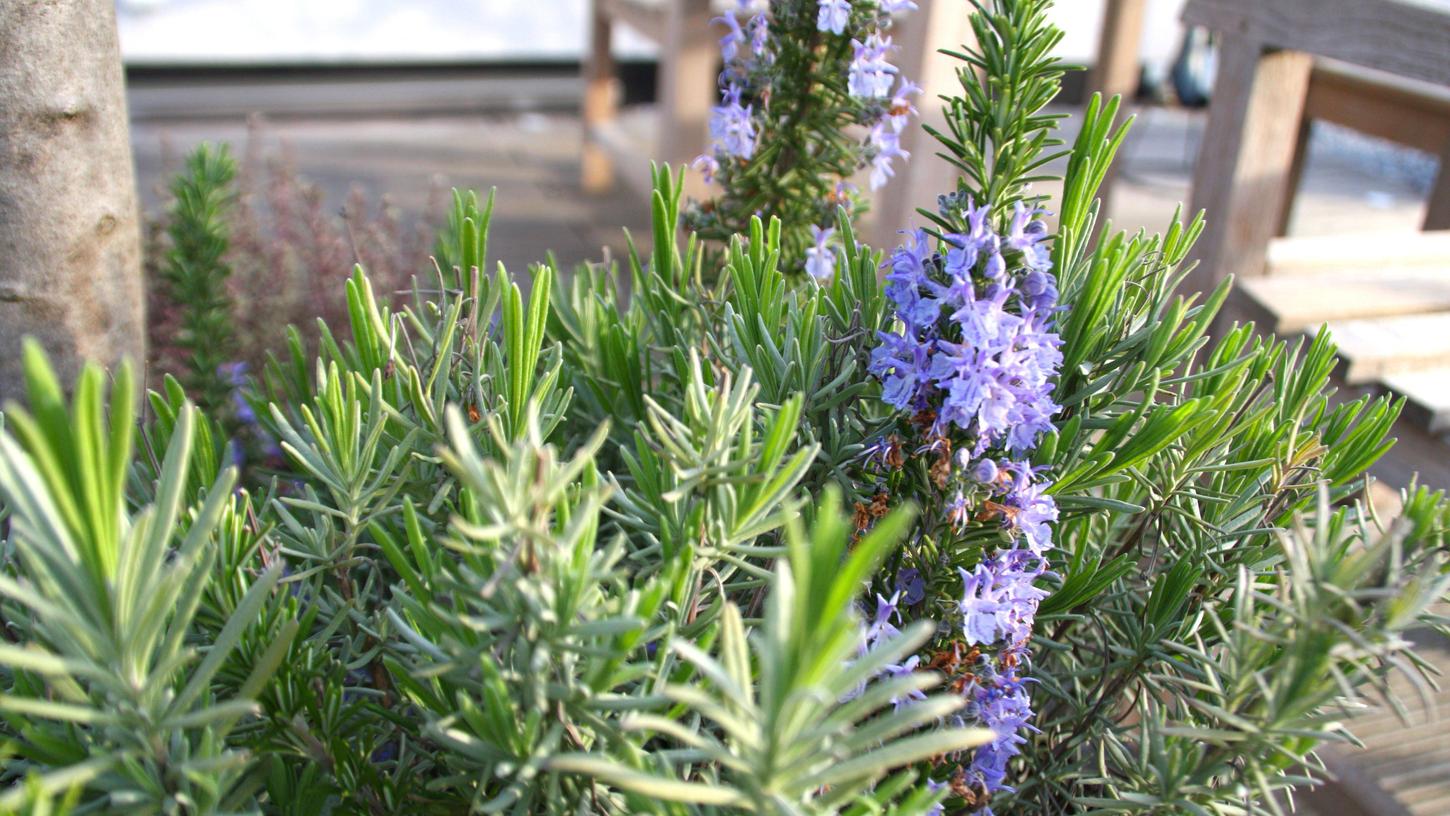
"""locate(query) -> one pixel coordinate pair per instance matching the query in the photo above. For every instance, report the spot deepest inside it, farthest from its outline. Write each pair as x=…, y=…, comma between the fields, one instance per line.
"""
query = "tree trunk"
x=70, y=238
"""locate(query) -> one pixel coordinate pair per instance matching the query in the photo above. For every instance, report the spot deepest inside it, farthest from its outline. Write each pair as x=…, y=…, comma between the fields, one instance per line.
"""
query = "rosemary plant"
x=1136, y=516
x=196, y=273
x=810, y=100
x=693, y=533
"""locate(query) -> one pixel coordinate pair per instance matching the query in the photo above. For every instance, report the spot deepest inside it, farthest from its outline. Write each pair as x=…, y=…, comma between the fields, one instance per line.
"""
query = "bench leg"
x=1117, y=73
x=1117, y=70
x=1437, y=215
x=1296, y=174
x=688, y=85
x=601, y=100
x=1245, y=161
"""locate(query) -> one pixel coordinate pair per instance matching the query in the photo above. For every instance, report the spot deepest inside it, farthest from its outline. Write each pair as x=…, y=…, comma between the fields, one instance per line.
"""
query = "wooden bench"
x=1267, y=54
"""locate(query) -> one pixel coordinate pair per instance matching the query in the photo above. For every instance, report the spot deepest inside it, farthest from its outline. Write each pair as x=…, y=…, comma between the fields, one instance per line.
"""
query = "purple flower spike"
x=820, y=258
x=871, y=76
x=731, y=126
x=884, y=144
x=976, y=353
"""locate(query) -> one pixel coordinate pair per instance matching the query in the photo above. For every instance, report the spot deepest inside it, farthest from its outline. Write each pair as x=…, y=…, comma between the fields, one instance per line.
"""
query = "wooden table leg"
x=1245, y=162
x=688, y=81
x=601, y=100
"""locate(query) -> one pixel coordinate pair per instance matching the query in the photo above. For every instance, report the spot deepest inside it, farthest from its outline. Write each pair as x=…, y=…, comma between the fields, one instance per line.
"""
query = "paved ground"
x=531, y=158
x=1352, y=184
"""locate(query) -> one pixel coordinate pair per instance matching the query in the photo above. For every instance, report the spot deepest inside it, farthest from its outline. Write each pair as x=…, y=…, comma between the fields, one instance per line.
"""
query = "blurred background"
x=394, y=97
x=352, y=119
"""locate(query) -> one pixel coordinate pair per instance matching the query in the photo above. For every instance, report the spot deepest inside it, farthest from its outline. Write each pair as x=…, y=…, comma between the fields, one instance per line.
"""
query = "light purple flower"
x=996, y=265
x=731, y=126
x=902, y=364
x=935, y=787
x=980, y=606
x=1001, y=704
x=730, y=43
x=708, y=165
x=962, y=254
x=958, y=512
x=896, y=6
x=883, y=144
x=1025, y=235
x=904, y=669
x=910, y=289
x=881, y=628
x=820, y=258
x=999, y=598
x=910, y=586
x=1036, y=510
x=870, y=75
x=901, y=110
x=759, y=28
x=833, y=16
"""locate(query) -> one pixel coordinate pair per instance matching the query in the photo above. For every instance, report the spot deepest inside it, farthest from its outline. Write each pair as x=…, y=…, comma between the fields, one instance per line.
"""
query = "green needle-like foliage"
x=1224, y=595
x=784, y=723
x=196, y=273
x=107, y=688
x=579, y=543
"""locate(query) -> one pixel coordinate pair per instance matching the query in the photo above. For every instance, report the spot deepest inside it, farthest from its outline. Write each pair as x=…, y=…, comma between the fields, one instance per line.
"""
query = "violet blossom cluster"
x=880, y=98
x=972, y=367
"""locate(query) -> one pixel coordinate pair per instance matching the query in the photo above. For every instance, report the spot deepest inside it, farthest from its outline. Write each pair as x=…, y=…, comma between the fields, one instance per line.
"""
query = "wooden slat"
x=1404, y=768
x=1427, y=395
x=1293, y=303
x=1372, y=349
x=1407, y=112
x=1331, y=254
x=1409, y=38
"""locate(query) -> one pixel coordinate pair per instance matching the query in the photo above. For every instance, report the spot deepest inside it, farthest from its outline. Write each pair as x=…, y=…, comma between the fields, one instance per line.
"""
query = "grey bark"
x=70, y=237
